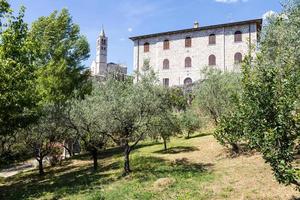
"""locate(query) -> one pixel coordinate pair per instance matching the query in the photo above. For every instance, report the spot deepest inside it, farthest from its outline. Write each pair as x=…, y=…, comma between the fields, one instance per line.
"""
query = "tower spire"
x=102, y=33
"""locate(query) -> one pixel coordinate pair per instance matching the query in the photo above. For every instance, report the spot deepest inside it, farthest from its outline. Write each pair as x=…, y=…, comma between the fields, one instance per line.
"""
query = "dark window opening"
x=188, y=42
x=166, y=44
x=212, y=60
x=238, y=36
x=212, y=39
x=146, y=47
x=188, y=62
x=166, y=64
x=238, y=57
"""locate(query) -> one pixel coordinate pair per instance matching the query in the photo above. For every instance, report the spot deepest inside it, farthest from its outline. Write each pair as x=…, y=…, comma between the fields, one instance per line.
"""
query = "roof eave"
x=257, y=21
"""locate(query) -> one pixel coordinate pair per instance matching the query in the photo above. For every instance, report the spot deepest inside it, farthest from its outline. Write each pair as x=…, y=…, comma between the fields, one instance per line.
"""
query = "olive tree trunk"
x=94, y=153
x=165, y=144
x=127, y=150
x=41, y=167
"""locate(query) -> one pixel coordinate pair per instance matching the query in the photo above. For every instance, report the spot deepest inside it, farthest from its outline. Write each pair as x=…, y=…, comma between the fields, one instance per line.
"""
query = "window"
x=238, y=36
x=166, y=82
x=212, y=39
x=166, y=64
x=166, y=44
x=103, y=41
x=187, y=81
x=188, y=62
x=238, y=57
x=188, y=42
x=212, y=60
x=146, y=47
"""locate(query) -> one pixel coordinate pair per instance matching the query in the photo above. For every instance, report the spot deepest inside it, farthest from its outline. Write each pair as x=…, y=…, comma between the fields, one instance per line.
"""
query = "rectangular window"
x=166, y=82
x=188, y=42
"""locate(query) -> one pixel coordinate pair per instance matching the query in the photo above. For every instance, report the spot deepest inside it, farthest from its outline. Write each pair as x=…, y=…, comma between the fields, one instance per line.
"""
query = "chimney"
x=196, y=24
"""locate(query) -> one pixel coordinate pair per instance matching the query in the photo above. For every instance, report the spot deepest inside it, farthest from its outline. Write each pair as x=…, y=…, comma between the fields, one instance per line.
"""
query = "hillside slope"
x=196, y=168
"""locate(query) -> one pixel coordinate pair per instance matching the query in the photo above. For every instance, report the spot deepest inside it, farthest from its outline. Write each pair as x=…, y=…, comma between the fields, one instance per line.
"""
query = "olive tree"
x=46, y=135
x=85, y=117
x=129, y=111
x=215, y=94
x=189, y=121
x=269, y=105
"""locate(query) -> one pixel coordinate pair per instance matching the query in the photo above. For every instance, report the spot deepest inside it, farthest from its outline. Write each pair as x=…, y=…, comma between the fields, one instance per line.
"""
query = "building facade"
x=99, y=66
x=179, y=56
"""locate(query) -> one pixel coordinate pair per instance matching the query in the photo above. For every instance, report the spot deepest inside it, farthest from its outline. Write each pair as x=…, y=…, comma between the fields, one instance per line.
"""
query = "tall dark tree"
x=17, y=74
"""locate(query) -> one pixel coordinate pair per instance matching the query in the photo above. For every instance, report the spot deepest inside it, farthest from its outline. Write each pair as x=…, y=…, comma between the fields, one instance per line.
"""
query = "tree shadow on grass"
x=71, y=180
x=113, y=151
x=178, y=149
x=198, y=135
x=61, y=182
x=150, y=167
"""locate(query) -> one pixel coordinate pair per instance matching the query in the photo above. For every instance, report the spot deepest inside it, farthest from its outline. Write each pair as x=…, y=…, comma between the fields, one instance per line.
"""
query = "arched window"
x=212, y=60
x=212, y=39
x=238, y=36
x=238, y=57
x=188, y=42
x=187, y=81
x=166, y=64
x=146, y=47
x=166, y=44
x=188, y=62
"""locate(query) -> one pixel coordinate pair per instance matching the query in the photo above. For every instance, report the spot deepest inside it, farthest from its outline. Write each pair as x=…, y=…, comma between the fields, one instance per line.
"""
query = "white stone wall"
x=199, y=52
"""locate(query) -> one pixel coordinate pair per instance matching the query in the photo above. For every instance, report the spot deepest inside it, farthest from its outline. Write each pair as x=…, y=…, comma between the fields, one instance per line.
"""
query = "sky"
x=124, y=18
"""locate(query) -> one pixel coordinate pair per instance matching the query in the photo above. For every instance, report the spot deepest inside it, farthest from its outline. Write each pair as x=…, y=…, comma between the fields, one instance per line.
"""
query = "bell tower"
x=101, y=54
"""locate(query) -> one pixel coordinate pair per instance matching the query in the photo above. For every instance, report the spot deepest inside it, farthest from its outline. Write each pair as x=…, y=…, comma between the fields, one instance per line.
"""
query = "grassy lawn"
x=196, y=168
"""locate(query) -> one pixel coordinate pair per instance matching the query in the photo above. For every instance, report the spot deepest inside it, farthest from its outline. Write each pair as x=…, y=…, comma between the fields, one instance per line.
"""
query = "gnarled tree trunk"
x=165, y=144
x=127, y=150
x=94, y=153
x=235, y=148
x=41, y=167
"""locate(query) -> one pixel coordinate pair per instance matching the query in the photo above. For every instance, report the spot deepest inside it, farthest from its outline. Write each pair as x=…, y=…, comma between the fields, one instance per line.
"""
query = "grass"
x=197, y=168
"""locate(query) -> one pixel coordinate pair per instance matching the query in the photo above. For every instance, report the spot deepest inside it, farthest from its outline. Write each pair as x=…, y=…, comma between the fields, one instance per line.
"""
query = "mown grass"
x=148, y=163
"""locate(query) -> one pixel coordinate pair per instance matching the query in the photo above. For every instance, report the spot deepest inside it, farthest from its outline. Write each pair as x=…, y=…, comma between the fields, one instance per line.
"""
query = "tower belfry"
x=101, y=54
x=100, y=67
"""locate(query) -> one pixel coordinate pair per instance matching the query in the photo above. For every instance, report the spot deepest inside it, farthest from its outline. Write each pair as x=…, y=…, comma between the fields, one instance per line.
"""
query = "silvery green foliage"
x=269, y=110
x=85, y=117
x=47, y=133
x=190, y=121
x=119, y=109
x=216, y=94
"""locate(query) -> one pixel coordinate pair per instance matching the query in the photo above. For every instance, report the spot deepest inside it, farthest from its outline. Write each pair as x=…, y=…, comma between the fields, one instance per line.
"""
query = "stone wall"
x=224, y=50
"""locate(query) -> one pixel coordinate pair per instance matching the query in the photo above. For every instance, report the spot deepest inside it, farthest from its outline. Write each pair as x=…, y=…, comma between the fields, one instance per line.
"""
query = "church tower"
x=101, y=55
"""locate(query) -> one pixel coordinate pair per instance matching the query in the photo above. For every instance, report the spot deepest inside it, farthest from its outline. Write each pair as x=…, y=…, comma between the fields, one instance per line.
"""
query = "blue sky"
x=125, y=18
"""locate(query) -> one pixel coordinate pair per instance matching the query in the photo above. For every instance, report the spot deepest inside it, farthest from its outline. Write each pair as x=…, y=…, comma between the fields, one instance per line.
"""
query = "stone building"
x=178, y=56
x=99, y=66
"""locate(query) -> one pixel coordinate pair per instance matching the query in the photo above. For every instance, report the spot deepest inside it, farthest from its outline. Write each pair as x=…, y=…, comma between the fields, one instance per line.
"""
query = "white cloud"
x=230, y=1
x=129, y=29
x=269, y=14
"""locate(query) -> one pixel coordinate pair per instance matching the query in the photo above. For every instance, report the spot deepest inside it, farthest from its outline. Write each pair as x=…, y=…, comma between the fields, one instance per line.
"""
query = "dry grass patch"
x=162, y=183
